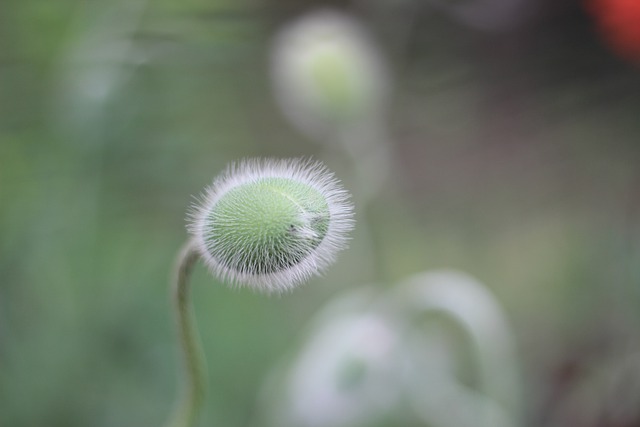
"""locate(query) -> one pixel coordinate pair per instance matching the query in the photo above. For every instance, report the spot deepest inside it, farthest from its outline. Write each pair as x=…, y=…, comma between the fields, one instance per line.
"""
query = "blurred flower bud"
x=374, y=357
x=272, y=224
x=347, y=372
x=326, y=72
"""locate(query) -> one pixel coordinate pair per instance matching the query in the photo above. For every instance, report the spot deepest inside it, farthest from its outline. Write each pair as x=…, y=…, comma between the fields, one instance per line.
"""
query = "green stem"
x=192, y=396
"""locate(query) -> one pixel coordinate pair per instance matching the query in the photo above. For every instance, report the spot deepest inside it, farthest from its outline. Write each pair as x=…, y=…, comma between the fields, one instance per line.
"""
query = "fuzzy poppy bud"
x=272, y=224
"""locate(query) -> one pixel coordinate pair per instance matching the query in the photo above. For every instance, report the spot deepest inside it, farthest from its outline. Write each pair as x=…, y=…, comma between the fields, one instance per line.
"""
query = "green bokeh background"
x=515, y=159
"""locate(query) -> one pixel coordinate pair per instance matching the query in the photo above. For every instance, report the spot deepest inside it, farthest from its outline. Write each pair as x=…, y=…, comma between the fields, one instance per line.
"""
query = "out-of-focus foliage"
x=515, y=158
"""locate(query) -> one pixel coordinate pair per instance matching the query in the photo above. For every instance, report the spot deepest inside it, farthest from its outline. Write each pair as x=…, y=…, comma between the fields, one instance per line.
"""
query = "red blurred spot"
x=619, y=24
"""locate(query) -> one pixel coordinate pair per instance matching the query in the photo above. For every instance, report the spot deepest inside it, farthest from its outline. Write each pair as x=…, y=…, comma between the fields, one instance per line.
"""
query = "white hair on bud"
x=284, y=277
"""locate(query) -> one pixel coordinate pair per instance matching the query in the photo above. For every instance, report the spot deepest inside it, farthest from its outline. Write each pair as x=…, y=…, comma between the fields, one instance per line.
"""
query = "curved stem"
x=471, y=307
x=192, y=396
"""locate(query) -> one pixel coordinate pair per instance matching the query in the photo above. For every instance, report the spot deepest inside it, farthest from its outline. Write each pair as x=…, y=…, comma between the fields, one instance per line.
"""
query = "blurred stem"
x=367, y=146
x=473, y=309
x=194, y=370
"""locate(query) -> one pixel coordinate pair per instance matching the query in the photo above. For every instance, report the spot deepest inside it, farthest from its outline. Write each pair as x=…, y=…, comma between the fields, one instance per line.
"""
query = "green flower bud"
x=272, y=224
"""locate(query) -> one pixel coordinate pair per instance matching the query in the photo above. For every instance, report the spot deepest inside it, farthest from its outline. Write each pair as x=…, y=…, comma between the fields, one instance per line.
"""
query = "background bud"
x=326, y=72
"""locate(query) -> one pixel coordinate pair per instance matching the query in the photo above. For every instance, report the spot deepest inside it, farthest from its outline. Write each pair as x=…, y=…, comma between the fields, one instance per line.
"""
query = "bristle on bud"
x=272, y=224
